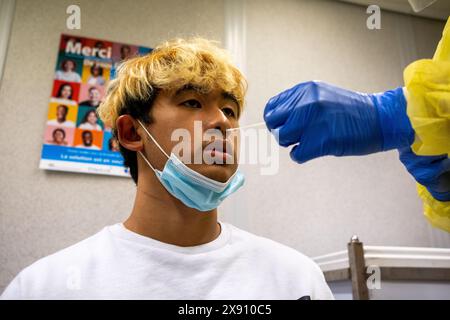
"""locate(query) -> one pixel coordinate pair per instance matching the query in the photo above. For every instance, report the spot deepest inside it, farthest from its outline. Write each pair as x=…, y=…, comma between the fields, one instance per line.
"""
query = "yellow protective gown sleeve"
x=428, y=94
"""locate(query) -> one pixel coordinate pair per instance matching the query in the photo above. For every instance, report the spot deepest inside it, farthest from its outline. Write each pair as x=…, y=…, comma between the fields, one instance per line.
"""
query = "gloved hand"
x=433, y=172
x=322, y=119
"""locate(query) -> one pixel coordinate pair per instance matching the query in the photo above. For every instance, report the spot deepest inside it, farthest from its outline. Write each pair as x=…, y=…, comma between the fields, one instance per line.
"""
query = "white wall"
x=315, y=207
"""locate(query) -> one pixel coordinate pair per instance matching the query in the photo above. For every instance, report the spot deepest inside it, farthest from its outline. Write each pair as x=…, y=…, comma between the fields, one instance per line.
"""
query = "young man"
x=172, y=245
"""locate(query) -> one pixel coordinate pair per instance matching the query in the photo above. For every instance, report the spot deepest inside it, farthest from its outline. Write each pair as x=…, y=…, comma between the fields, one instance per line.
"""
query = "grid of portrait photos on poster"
x=75, y=139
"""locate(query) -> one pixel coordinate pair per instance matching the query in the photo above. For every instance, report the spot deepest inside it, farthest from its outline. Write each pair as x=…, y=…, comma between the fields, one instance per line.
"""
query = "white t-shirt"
x=117, y=263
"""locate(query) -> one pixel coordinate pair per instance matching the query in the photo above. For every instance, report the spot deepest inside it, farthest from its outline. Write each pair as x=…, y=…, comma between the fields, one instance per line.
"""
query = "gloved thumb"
x=305, y=150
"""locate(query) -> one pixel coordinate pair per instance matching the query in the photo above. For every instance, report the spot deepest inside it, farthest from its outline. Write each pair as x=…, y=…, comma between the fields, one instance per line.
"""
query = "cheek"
x=234, y=138
x=170, y=120
x=181, y=137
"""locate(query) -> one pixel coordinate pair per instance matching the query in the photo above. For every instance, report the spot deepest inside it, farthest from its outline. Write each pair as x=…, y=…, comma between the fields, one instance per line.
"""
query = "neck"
x=160, y=216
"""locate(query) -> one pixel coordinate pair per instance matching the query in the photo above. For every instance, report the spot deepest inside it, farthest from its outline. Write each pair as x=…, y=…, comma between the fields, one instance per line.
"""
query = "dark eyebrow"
x=188, y=87
x=225, y=95
x=230, y=96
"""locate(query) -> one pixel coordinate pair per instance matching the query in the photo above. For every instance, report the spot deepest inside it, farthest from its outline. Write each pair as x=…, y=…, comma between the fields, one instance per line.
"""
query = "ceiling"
x=438, y=10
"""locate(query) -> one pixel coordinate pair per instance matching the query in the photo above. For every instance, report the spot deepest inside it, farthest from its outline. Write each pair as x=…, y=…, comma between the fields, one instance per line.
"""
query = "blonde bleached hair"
x=172, y=65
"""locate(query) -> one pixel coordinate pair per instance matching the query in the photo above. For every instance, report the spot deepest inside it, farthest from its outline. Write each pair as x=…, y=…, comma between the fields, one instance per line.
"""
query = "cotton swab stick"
x=248, y=126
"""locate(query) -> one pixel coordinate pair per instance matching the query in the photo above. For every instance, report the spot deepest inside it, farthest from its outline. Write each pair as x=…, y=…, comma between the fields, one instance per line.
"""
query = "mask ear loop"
x=147, y=161
x=156, y=143
x=151, y=137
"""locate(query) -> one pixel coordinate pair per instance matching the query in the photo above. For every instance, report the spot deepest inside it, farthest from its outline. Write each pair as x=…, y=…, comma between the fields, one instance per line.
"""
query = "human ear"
x=127, y=134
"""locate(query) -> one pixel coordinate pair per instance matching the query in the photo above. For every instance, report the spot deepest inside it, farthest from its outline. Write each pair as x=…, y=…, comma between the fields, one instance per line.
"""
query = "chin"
x=218, y=172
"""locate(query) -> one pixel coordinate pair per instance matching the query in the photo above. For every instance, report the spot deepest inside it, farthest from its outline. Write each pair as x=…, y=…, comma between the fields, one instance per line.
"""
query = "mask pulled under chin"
x=190, y=187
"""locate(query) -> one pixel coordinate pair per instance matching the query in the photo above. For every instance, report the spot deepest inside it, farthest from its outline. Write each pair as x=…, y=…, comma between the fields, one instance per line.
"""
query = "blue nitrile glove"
x=433, y=172
x=322, y=119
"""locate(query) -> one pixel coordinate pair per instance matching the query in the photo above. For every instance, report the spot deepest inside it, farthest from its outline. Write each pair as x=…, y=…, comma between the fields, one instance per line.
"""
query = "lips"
x=226, y=157
x=225, y=153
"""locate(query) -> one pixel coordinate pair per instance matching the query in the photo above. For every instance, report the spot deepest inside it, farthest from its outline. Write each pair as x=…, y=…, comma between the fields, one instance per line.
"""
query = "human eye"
x=229, y=112
x=192, y=103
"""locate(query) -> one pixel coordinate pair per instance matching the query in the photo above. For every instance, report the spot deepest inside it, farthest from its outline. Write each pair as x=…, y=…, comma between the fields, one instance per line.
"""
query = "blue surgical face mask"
x=190, y=187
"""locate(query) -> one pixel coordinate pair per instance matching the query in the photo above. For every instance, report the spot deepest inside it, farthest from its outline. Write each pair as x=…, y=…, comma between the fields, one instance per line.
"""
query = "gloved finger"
x=445, y=165
x=307, y=150
x=291, y=131
x=277, y=114
x=444, y=170
x=279, y=107
x=407, y=155
x=277, y=99
x=425, y=169
x=443, y=186
x=427, y=174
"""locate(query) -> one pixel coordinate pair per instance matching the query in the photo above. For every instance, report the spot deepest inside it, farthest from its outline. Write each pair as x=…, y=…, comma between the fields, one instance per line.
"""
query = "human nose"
x=217, y=120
